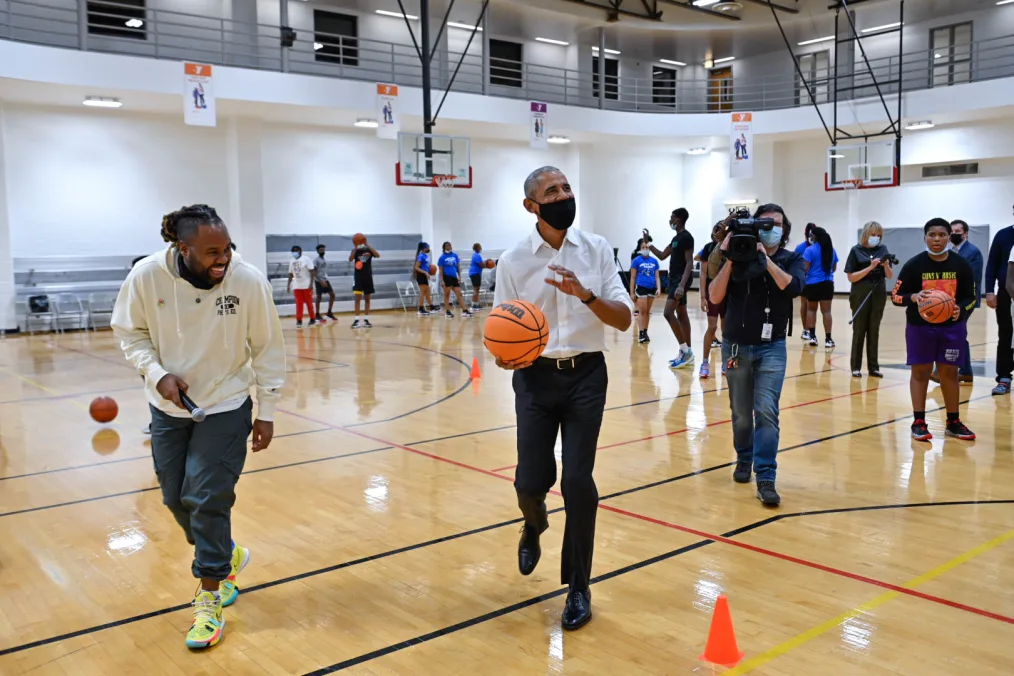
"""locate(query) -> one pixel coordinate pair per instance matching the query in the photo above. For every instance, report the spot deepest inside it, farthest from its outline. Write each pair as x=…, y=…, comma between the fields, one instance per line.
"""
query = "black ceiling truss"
x=780, y=8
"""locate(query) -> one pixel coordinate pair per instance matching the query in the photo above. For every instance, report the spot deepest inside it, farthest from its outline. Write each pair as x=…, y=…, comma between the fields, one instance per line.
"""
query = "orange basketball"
x=359, y=265
x=490, y=263
x=516, y=331
x=433, y=269
x=937, y=308
x=359, y=239
x=103, y=409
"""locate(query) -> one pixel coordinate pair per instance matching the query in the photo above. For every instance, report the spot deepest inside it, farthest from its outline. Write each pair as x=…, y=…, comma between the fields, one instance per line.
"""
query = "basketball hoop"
x=852, y=184
x=445, y=182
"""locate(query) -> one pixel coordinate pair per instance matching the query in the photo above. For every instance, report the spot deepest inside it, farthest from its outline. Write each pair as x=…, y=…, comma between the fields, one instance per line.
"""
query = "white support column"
x=246, y=190
x=485, y=50
x=8, y=316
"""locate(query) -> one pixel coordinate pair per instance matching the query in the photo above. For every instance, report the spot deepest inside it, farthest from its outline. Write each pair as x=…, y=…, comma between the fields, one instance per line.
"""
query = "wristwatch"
x=591, y=299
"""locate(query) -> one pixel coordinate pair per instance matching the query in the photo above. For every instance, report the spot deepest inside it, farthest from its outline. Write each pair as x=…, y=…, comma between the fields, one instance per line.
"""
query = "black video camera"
x=745, y=230
x=892, y=259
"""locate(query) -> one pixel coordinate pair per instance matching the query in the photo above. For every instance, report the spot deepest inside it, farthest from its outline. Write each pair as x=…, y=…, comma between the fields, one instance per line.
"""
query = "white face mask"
x=645, y=252
x=874, y=241
x=946, y=249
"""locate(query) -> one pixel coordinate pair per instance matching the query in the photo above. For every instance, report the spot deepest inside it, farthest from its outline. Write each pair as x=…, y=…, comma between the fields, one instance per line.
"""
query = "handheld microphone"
x=196, y=412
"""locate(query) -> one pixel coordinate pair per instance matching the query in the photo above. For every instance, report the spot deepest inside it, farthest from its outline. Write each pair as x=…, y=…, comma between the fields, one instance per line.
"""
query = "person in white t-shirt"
x=301, y=278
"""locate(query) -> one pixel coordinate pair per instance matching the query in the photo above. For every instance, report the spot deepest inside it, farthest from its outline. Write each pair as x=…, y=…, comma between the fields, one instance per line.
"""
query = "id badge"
x=766, y=332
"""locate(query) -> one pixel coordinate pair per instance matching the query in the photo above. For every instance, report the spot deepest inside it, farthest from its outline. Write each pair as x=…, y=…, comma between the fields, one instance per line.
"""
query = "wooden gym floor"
x=383, y=524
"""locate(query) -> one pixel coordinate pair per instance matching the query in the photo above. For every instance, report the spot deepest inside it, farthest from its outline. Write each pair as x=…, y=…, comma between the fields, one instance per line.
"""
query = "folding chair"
x=69, y=307
x=47, y=317
x=407, y=292
x=100, y=304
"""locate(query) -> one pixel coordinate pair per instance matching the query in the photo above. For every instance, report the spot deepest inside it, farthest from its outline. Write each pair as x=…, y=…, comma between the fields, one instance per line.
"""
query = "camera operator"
x=868, y=266
x=757, y=283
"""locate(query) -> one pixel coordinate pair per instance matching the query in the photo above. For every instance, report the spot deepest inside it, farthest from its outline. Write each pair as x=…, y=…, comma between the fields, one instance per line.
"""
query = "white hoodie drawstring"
x=176, y=303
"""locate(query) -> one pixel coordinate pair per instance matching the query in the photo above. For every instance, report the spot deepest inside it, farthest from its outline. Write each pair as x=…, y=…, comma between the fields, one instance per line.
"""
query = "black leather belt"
x=565, y=364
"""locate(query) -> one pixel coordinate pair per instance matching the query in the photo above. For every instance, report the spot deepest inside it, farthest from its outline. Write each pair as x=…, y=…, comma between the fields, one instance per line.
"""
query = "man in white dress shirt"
x=571, y=276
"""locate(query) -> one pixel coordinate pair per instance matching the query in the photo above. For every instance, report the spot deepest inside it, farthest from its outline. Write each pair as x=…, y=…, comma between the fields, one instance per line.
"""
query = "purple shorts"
x=940, y=343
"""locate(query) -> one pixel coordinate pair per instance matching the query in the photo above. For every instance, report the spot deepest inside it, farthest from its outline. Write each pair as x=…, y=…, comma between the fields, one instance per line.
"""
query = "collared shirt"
x=573, y=327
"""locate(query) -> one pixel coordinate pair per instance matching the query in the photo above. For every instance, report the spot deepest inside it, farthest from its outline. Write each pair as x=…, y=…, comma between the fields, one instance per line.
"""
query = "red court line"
x=723, y=422
x=708, y=536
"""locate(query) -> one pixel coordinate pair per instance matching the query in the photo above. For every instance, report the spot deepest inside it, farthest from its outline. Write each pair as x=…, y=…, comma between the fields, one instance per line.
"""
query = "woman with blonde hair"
x=867, y=267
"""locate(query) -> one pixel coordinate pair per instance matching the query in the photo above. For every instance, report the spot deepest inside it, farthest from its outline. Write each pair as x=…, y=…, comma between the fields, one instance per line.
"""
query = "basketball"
x=516, y=331
x=490, y=263
x=937, y=308
x=433, y=269
x=103, y=409
x=359, y=265
x=359, y=239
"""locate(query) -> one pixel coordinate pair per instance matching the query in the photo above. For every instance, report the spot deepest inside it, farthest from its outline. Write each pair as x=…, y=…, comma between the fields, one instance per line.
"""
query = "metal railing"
x=110, y=26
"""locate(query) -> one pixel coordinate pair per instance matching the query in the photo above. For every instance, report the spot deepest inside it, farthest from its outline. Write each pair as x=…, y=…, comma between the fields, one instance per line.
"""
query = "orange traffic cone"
x=721, y=648
x=476, y=373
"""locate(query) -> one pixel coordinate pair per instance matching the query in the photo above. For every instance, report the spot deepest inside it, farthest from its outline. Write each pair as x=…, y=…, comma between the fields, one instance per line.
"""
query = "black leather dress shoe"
x=577, y=611
x=529, y=550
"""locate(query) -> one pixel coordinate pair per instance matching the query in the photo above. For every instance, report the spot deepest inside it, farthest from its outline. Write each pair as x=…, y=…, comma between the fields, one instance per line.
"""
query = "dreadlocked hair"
x=182, y=224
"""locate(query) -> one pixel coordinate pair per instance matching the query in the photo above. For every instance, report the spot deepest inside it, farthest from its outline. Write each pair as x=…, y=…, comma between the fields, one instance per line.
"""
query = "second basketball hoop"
x=432, y=161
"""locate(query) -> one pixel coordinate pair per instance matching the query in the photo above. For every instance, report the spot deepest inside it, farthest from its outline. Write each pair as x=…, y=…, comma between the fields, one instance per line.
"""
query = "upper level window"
x=505, y=63
x=951, y=54
x=335, y=38
x=612, y=78
x=816, y=69
x=663, y=86
x=118, y=19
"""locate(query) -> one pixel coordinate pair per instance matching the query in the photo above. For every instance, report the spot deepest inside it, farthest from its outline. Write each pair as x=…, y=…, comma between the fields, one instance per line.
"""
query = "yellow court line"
x=807, y=636
x=38, y=385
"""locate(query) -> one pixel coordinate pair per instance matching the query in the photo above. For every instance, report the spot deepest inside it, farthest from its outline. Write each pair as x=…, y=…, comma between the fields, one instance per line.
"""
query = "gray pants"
x=198, y=465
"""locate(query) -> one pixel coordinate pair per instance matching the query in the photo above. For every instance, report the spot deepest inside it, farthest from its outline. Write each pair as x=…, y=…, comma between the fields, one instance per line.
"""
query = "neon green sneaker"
x=229, y=590
x=209, y=624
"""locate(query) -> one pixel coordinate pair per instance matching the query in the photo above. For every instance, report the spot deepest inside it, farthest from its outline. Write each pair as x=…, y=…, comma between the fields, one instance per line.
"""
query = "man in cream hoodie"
x=195, y=318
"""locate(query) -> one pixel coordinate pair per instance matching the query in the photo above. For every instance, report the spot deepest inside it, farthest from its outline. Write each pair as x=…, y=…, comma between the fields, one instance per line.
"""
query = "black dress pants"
x=548, y=401
x=1005, y=330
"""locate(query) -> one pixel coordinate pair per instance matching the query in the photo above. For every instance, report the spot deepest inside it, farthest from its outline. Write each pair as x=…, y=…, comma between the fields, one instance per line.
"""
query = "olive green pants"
x=866, y=327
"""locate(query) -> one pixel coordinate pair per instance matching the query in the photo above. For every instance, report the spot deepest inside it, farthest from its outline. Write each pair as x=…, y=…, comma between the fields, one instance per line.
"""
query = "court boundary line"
x=500, y=612
x=456, y=536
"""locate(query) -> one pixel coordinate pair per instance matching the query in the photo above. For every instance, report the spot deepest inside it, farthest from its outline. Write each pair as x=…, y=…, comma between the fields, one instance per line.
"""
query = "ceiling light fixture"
x=815, y=41
x=705, y=3
x=744, y=202
x=367, y=124
x=454, y=24
x=558, y=139
x=922, y=124
x=725, y=60
x=608, y=51
x=885, y=27
x=396, y=15
x=134, y=23
x=698, y=151
x=672, y=63
x=1004, y=2
x=837, y=157
x=553, y=42
x=102, y=102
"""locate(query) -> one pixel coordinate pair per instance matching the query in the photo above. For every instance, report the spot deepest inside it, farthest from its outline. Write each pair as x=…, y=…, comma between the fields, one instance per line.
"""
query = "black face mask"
x=955, y=239
x=321, y=253
x=559, y=215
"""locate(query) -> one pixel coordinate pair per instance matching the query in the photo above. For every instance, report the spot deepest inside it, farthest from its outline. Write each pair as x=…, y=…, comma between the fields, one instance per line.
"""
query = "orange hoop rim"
x=445, y=181
x=852, y=183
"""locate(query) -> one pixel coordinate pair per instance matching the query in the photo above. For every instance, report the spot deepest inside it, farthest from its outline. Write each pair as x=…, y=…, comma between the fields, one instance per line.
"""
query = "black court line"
x=466, y=624
x=422, y=545
x=58, y=397
x=322, y=361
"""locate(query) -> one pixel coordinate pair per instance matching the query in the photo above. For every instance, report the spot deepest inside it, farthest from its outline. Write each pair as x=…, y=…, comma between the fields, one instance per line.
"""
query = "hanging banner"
x=198, y=96
x=388, y=119
x=539, y=135
x=741, y=146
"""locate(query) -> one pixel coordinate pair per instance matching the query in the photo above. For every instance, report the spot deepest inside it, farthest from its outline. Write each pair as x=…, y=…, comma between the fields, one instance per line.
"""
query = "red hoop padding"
x=433, y=182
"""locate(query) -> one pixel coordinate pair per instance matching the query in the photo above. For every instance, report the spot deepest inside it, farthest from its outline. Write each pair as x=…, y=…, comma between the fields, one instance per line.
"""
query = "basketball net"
x=852, y=189
x=445, y=182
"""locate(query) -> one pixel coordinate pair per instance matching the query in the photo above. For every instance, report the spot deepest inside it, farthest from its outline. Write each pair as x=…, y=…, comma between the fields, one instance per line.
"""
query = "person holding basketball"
x=421, y=268
x=362, y=278
x=570, y=275
x=322, y=284
x=933, y=335
x=196, y=319
x=645, y=285
x=450, y=267
x=475, y=275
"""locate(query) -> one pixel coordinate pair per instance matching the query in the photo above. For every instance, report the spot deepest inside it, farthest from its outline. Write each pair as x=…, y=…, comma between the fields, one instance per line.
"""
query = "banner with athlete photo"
x=388, y=116
x=539, y=134
x=198, y=95
x=741, y=146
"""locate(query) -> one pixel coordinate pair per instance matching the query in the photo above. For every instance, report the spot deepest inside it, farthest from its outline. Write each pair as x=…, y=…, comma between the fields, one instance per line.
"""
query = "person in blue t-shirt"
x=421, y=269
x=804, y=305
x=475, y=275
x=821, y=261
x=450, y=264
x=645, y=285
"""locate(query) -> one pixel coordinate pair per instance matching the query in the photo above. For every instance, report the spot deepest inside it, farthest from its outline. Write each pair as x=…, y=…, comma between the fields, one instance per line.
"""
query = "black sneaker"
x=716, y=343
x=449, y=315
x=641, y=337
x=647, y=338
x=355, y=324
x=767, y=494
x=828, y=344
x=422, y=312
x=876, y=374
x=920, y=431
x=367, y=324
x=958, y=430
x=813, y=340
x=465, y=314
x=857, y=374
x=313, y=322
x=299, y=324
x=332, y=317
x=805, y=335
x=741, y=474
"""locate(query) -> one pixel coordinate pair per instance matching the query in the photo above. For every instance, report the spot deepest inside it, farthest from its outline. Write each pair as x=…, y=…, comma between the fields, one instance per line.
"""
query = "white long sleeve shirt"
x=573, y=328
x=221, y=341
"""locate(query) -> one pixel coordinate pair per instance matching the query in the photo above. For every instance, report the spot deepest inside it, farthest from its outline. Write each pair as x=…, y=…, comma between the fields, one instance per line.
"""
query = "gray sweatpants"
x=198, y=465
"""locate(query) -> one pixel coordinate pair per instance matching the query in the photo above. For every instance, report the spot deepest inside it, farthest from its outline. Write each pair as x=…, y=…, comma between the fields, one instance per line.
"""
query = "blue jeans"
x=198, y=465
x=755, y=387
